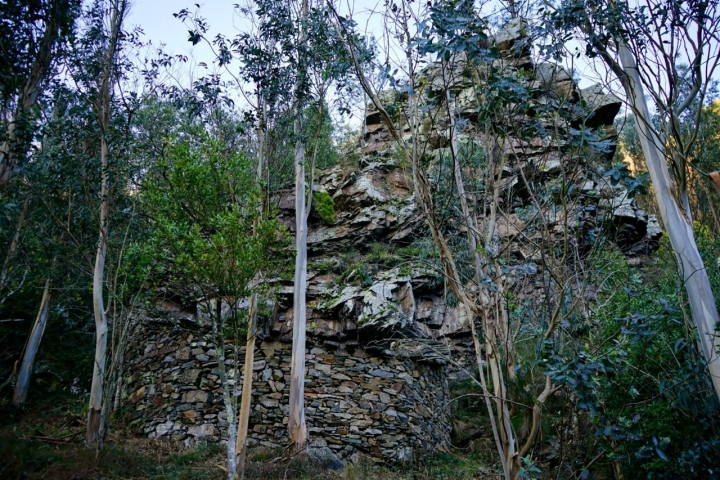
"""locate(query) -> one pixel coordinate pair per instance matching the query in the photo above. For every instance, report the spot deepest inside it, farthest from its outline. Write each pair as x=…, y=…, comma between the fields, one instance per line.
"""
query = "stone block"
x=200, y=431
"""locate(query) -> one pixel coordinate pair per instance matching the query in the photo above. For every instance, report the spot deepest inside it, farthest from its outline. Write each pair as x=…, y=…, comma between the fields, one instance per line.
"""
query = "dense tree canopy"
x=126, y=189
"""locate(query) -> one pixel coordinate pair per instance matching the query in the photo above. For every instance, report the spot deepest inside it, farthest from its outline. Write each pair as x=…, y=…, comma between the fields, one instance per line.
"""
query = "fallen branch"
x=56, y=440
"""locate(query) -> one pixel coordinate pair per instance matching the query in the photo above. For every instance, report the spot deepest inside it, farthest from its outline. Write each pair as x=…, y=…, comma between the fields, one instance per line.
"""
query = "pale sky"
x=156, y=19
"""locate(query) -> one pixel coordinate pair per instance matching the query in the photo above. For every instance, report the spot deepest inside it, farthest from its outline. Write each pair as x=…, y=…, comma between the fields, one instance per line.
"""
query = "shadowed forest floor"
x=45, y=440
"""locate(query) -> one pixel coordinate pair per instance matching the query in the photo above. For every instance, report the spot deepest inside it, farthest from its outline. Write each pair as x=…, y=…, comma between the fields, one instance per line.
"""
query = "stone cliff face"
x=382, y=328
x=380, y=288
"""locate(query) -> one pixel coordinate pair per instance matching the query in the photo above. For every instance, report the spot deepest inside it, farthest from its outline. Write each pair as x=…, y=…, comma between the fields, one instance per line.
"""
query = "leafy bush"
x=324, y=206
x=640, y=385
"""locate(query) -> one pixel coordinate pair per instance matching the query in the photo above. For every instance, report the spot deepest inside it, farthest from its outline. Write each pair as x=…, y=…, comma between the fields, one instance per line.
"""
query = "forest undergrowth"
x=44, y=440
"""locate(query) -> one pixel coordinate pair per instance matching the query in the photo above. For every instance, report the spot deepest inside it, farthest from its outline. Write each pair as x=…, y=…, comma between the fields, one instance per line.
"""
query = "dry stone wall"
x=384, y=405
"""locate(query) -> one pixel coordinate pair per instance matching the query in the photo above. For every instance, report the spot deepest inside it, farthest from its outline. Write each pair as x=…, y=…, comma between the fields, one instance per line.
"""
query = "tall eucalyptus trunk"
x=297, y=427
x=246, y=400
x=502, y=430
x=16, y=139
x=677, y=220
x=93, y=434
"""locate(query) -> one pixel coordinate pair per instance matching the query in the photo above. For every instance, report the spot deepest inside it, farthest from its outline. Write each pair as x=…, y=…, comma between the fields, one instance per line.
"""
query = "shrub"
x=324, y=206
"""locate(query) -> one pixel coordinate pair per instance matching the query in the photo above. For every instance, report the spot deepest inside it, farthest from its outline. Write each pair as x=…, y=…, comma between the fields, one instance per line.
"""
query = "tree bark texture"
x=31, y=349
x=93, y=434
x=678, y=225
x=246, y=400
x=217, y=327
x=297, y=427
x=101, y=327
x=17, y=142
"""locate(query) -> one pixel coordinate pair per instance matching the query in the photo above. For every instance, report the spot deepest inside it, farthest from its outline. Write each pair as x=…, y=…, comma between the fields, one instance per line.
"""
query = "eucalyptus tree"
x=468, y=72
x=95, y=68
x=291, y=57
x=319, y=56
x=33, y=34
x=105, y=78
x=643, y=46
x=258, y=50
x=207, y=230
x=263, y=80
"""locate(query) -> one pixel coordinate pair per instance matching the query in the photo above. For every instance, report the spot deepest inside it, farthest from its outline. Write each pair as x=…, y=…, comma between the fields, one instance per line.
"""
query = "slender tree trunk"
x=676, y=221
x=94, y=434
x=21, y=387
x=246, y=401
x=423, y=194
x=10, y=255
x=502, y=430
x=297, y=428
x=32, y=88
x=217, y=327
x=7, y=157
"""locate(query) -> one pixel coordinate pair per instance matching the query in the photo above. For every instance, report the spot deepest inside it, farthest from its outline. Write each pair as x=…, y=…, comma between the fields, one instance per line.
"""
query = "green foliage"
x=204, y=204
x=358, y=273
x=638, y=379
x=381, y=254
x=58, y=416
x=620, y=173
x=324, y=206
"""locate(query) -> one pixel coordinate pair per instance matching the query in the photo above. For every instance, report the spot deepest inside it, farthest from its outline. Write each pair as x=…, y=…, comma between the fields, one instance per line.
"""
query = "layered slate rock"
x=383, y=339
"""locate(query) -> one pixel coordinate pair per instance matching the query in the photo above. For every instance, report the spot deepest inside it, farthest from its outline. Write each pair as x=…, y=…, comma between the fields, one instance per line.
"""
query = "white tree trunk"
x=297, y=429
x=217, y=327
x=296, y=426
x=101, y=327
x=677, y=222
x=94, y=434
x=21, y=387
x=503, y=439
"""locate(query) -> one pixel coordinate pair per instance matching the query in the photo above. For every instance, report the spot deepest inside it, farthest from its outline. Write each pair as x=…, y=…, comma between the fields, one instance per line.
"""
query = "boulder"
x=602, y=107
x=513, y=34
x=553, y=80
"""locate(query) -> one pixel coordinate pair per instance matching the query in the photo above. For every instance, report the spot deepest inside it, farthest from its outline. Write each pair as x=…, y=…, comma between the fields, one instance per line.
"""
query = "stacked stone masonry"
x=357, y=404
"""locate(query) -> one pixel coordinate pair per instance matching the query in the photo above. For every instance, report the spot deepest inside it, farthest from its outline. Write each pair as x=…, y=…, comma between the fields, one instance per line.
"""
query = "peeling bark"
x=21, y=387
x=297, y=428
x=93, y=434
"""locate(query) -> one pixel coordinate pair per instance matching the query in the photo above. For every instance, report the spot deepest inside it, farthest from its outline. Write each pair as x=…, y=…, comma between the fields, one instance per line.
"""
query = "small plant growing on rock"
x=324, y=206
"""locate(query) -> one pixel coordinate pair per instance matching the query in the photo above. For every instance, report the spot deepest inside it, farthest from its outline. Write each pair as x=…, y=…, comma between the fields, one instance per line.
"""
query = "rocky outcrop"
x=381, y=325
x=374, y=203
